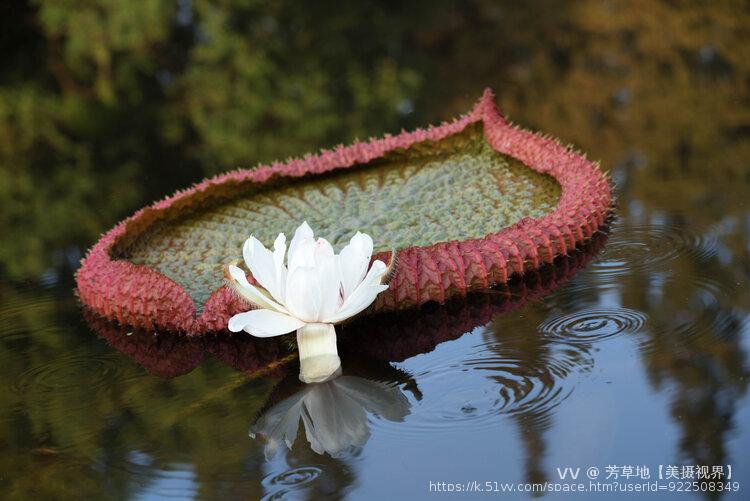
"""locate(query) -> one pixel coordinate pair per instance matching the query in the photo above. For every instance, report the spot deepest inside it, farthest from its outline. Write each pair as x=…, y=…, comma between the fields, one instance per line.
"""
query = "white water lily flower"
x=314, y=290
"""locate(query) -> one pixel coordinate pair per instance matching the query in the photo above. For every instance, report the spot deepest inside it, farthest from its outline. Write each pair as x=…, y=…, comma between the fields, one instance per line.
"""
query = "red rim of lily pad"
x=138, y=295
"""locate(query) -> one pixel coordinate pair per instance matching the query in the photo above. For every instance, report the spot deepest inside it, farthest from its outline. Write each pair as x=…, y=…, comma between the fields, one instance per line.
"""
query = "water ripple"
x=651, y=247
x=16, y=311
x=532, y=384
x=280, y=485
x=296, y=476
x=503, y=374
x=62, y=374
x=593, y=325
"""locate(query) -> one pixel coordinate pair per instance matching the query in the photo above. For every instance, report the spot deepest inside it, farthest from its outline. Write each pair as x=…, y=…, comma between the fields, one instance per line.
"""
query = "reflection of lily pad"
x=171, y=355
x=466, y=205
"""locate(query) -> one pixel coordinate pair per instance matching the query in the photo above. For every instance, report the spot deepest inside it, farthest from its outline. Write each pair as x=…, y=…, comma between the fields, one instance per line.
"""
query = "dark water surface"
x=633, y=352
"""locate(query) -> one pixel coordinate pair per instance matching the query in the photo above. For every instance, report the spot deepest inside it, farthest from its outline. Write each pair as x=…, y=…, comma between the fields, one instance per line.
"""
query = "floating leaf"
x=466, y=205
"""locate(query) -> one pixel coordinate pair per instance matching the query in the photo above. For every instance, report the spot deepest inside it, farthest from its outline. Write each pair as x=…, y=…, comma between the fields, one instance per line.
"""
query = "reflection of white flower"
x=334, y=414
x=317, y=289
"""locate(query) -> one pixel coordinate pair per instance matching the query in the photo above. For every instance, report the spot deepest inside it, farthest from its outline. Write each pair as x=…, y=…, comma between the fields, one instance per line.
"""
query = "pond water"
x=632, y=353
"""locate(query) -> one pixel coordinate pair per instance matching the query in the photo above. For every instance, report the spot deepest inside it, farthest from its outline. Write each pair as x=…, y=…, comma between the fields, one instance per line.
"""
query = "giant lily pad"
x=466, y=205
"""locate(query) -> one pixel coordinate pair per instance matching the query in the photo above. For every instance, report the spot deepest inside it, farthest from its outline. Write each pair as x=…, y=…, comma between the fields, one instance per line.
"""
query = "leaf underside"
x=455, y=189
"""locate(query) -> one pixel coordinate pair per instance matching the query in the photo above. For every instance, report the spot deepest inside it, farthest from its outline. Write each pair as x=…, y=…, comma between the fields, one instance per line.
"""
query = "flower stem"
x=318, y=355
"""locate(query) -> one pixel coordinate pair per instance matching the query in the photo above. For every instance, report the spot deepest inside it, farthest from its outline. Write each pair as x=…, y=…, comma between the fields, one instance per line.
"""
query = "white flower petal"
x=363, y=295
x=303, y=234
x=323, y=250
x=251, y=293
x=279, y=250
x=304, y=256
x=264, y=323
x=329, y=279
x=303, y=293
x=353, y=261
x=262, y=264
